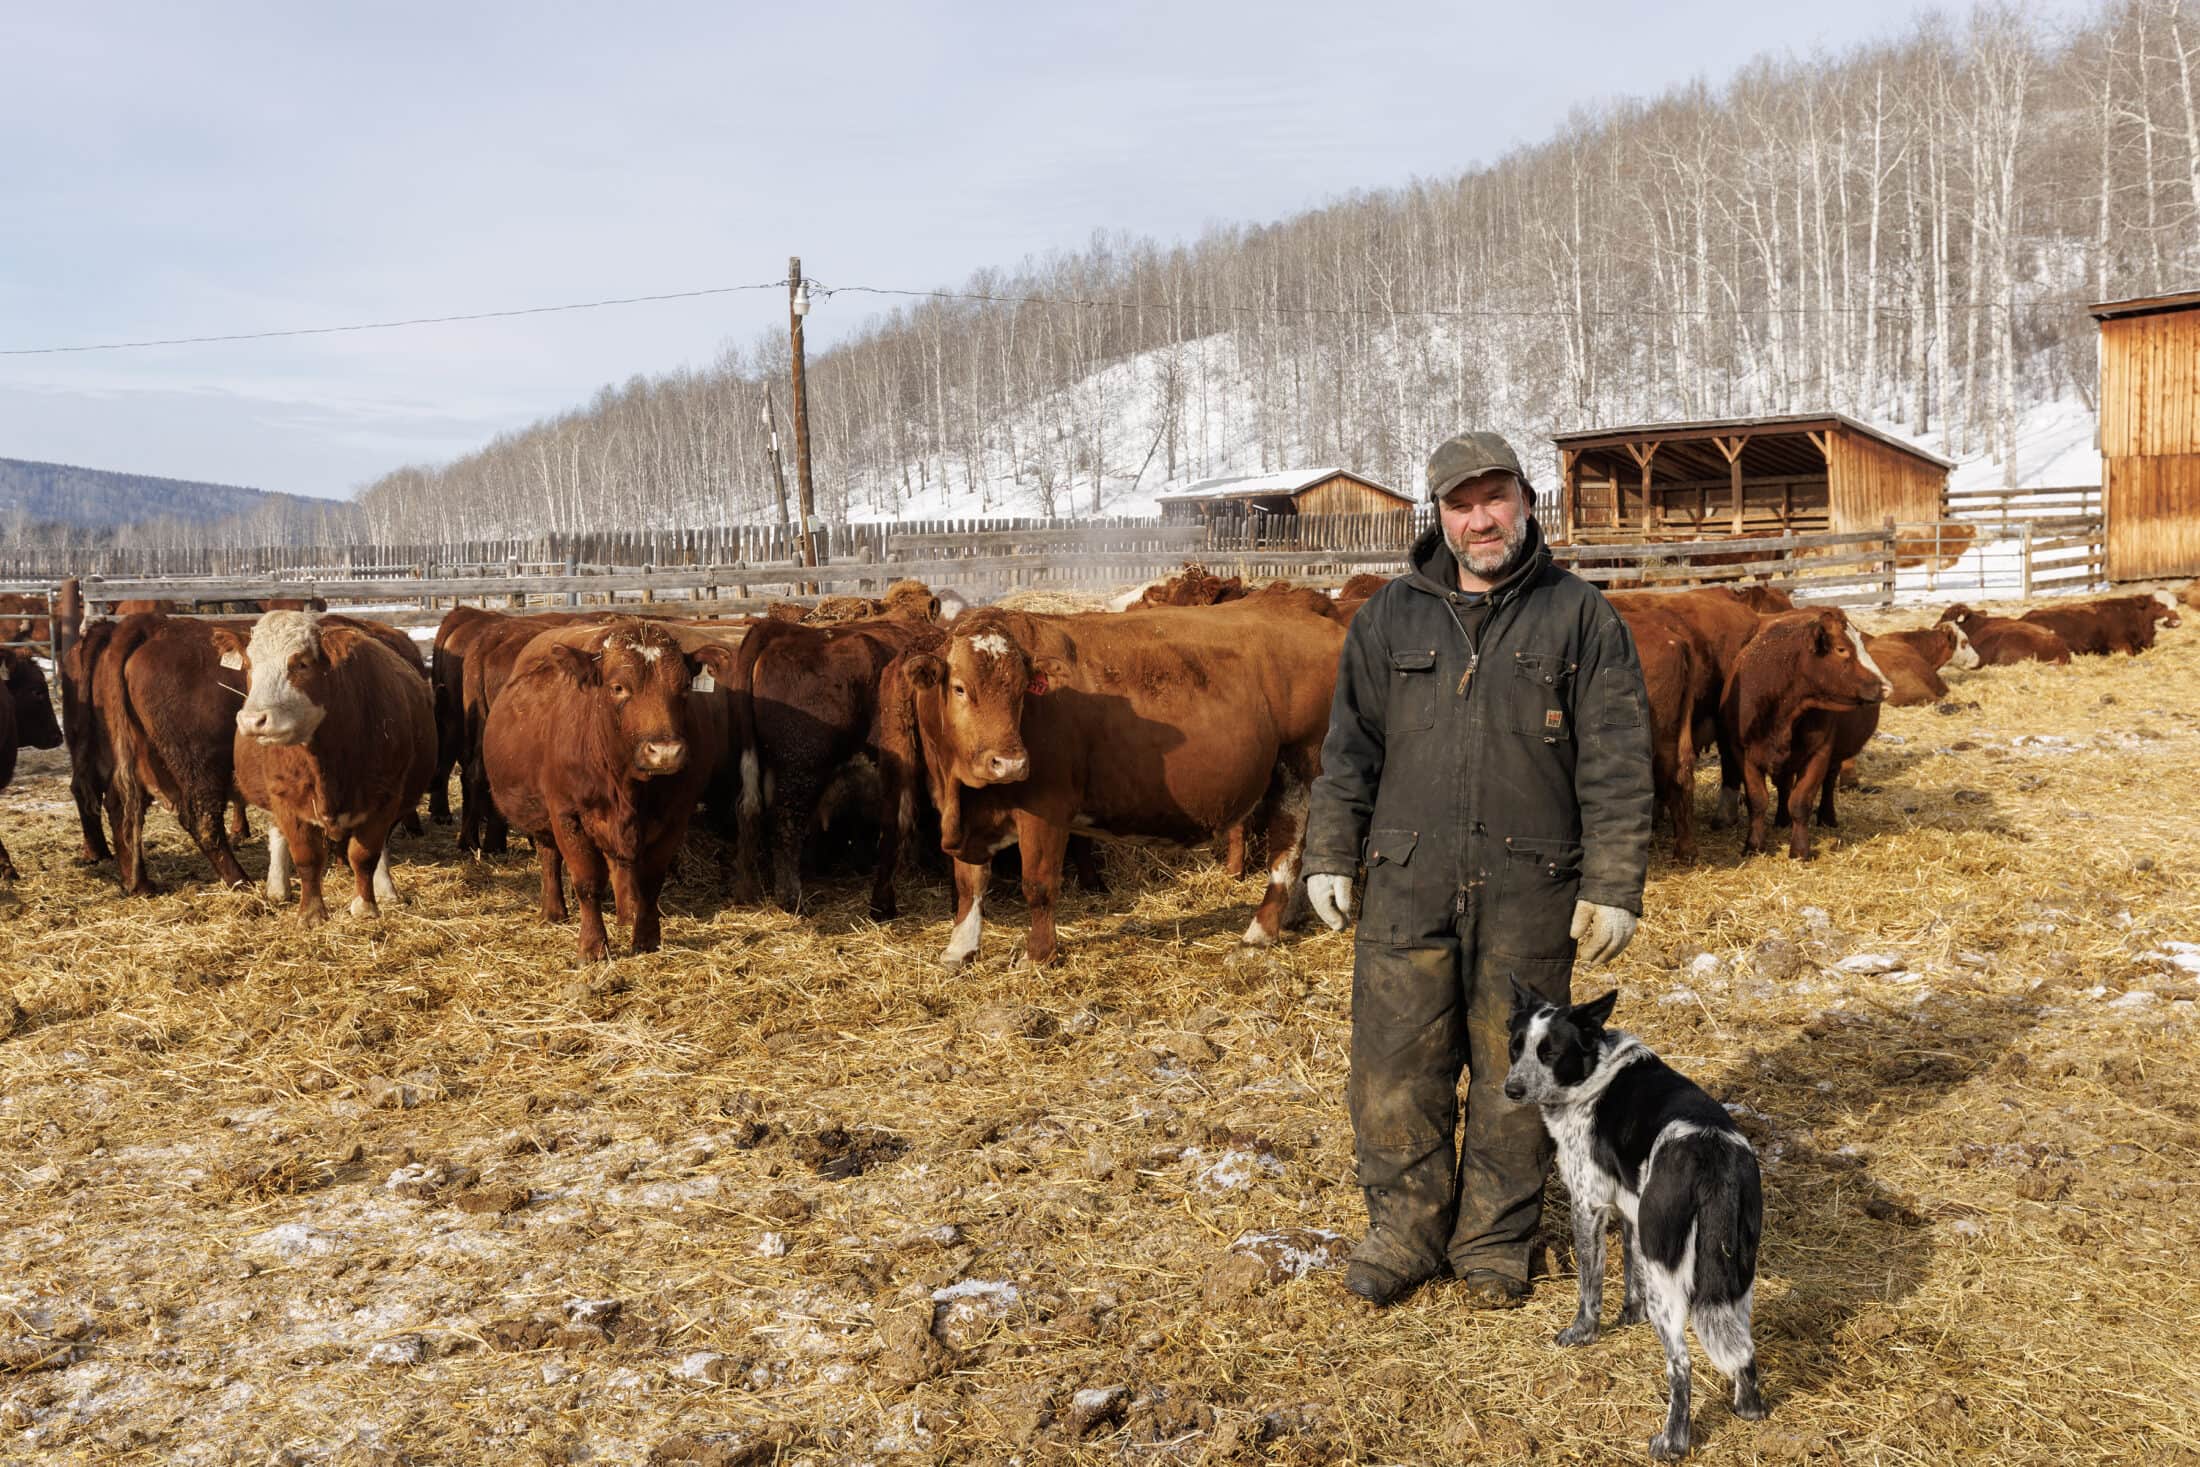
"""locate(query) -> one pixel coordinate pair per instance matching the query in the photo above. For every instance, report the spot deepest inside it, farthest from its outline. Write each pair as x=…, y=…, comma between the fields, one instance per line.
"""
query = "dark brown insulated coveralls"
x=1482, y=807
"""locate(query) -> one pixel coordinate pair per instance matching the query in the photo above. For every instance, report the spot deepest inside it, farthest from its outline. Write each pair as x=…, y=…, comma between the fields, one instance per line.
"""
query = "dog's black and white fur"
x=1635, y=1134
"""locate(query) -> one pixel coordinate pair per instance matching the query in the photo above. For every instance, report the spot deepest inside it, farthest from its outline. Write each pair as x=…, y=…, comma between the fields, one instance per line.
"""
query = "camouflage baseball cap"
x=1461, y=458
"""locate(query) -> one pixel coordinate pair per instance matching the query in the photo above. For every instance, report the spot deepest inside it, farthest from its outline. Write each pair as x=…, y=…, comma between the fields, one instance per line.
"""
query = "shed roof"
x=1259, y=486
x=1715, y=427
x=2145, y=305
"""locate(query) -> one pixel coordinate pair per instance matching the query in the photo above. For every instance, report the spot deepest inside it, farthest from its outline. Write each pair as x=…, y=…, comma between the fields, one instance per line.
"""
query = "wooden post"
x=1642, y=457
x=1731, y=450
x=65, y=620
x=779, y=472
x=1889, y=575
x=1569, y=490
x=798, y=304
x=2024, y=550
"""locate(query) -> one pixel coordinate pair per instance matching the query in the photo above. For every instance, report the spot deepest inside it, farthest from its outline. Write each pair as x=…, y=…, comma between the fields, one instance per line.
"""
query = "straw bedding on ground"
x=425, y=1191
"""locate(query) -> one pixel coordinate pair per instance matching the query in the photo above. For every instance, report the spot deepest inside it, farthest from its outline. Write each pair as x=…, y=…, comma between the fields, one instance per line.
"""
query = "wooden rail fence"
x=983, y=561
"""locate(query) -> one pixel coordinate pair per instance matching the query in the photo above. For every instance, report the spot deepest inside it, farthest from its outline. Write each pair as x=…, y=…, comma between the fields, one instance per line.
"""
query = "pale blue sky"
x=183, y=170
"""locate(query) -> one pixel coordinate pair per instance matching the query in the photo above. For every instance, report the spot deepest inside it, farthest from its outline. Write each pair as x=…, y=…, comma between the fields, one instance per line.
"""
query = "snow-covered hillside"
x=1110, y=426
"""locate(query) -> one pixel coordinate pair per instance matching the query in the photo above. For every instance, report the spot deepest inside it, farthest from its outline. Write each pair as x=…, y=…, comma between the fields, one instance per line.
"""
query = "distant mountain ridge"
x=101, y=499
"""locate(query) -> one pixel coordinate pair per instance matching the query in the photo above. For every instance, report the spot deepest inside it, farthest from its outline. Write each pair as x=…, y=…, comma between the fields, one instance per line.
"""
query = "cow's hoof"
x=311, y=920
x=954, y=961
x=1668, y=1447
x=885, y=911
x=1580, y=1332
x=361, y=907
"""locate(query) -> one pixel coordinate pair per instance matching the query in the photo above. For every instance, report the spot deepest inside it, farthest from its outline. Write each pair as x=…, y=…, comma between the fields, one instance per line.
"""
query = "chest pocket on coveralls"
x=1540, y=699
x=1412, y=692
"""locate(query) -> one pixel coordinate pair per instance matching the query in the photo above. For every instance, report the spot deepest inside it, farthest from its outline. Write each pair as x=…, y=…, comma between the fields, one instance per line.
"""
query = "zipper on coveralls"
x=1474, y=659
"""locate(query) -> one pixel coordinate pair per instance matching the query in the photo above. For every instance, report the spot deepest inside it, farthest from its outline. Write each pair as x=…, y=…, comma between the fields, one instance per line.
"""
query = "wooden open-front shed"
x=1744, y=476
x=1291, y=492
x=2150, y=435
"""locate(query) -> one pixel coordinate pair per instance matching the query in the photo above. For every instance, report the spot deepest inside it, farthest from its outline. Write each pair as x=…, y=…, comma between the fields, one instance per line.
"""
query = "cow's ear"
x=228, y=647
x=1592, y=1014
x=338, y=642
x=923, y=670
x=574, y=663
x=711, y=667
x=1047, y=674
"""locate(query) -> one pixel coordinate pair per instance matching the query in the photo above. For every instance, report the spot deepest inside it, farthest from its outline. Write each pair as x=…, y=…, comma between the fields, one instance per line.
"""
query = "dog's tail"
x=1730, y=1222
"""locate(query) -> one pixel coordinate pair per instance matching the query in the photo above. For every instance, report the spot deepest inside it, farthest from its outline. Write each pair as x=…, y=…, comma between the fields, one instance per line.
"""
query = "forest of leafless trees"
x=1908, y=233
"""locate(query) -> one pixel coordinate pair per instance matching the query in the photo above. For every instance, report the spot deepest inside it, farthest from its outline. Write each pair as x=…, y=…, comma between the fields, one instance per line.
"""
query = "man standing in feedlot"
x=1488, y=761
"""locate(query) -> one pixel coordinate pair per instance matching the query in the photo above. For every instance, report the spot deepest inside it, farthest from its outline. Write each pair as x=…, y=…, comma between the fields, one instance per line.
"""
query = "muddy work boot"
x=1488, y=1289
x=1376, y=1284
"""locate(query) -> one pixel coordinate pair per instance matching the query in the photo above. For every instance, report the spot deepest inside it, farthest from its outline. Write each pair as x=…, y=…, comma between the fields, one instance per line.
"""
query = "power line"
x=1264, y=308
x=1883, y=308
x=624, y=300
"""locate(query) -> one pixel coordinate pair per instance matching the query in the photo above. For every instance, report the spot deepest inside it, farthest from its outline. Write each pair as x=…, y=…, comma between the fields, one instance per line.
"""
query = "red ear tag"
x=1037, y=686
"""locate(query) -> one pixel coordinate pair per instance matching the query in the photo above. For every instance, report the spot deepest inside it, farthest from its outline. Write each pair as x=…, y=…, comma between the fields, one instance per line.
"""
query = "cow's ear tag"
x=704, y=682
x=233, y=660
x=1037, y=687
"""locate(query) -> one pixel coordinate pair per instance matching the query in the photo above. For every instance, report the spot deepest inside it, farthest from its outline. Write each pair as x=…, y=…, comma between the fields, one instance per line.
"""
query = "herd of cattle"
x=1194, y=710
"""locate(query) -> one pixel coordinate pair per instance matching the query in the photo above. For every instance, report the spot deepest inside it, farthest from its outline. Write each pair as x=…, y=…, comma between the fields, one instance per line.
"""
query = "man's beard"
x=1493, y=563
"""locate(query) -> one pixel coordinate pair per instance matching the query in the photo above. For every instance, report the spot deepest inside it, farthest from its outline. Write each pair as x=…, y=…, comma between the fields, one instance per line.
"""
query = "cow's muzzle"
x=1004, y=768
x=660, y=756
x=258, y=723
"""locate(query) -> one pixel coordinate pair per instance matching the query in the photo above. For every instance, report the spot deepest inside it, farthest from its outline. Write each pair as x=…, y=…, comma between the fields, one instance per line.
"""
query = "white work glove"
x=1600, y=933
x=1332, y=899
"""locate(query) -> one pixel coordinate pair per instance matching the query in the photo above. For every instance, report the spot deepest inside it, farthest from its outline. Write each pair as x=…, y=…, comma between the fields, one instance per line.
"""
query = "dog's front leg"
x=1632, y=1308
x=1589, y=1262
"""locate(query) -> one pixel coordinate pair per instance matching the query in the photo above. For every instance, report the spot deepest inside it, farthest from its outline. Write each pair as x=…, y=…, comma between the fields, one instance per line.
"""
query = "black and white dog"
x=1635, y=1134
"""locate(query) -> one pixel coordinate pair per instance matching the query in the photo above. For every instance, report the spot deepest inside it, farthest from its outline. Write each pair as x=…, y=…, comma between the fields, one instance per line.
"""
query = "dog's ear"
x=1592, y=1014
x=1523, y=1001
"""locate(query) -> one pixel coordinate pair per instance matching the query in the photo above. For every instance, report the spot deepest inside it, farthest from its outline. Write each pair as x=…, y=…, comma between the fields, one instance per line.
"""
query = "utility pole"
x=798, y=306
x=771, y=438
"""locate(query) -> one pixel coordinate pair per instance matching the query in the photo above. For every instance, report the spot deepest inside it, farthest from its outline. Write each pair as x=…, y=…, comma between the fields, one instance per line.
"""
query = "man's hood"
x=1436, y=569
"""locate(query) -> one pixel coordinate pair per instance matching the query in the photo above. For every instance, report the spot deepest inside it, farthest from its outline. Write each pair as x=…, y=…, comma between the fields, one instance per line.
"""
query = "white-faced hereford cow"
x=336, y=741
x=1169, y=724
x=599, y=750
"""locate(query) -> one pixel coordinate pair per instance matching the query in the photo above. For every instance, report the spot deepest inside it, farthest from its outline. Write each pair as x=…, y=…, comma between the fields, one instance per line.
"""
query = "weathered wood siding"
x=1343, y=494
x=1872, y=483
x=2150, y=444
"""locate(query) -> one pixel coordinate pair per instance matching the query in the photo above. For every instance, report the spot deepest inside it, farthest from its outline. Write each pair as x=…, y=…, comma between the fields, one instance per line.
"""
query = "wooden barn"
x=1743, y=476
x=2150, y=435
x=1294, y=491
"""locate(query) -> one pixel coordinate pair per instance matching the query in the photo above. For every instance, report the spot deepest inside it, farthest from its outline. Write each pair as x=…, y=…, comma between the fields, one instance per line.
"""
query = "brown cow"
x=596, y=749
x=91, y=752
x=455, y=635
x=23, y=618
x=2190, y=596
x=2106, y=625
x=1194, y=585
x=2004, y=641
x=1679, y=678
x=134, y=608
x=168, y=709
x=26, y=720
x=1912, y=661
x=804, y=702
x=335, y=739
x=1786, y=708
x=1720, y=620
x=487, y=661
x=1165, y=724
